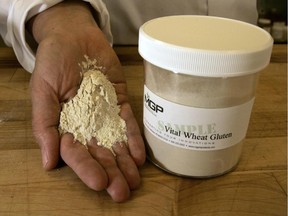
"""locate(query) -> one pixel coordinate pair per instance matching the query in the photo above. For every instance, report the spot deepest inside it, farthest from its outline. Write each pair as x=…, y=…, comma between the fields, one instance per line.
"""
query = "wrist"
x=65, y=18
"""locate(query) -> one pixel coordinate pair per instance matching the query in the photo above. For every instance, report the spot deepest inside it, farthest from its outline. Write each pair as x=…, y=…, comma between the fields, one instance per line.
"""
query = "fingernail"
x=44, y=158
x=120, y=147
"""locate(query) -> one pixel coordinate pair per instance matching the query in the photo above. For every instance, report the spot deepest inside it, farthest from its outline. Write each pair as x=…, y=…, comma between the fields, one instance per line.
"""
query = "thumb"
x=45, y=118
x=48, y=140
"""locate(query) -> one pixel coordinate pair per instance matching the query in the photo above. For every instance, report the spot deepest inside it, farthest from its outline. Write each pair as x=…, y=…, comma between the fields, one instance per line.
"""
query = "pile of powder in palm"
x=93, y=112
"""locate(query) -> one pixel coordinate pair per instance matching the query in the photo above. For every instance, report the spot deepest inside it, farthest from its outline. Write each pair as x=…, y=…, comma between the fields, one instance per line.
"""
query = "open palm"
x=55, y=80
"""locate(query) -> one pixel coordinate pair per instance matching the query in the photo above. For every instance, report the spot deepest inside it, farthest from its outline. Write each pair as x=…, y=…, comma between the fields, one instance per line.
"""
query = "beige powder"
x=201, y=92
x=93, y=112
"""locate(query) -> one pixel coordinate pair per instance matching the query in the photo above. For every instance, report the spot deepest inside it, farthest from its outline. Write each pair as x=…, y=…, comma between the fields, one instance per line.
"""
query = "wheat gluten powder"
x=93, y=112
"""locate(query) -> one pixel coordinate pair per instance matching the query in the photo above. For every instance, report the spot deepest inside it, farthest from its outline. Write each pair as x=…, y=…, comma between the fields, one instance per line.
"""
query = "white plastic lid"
x=205, y=46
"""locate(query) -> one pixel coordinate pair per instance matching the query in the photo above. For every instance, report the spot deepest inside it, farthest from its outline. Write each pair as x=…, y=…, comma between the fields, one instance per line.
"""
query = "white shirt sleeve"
x=126, y=18
x=15, y=13
x=128, y=15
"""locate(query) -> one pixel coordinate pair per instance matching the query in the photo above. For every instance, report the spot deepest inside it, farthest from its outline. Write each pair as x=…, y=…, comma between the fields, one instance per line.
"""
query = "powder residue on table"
x=93, y=112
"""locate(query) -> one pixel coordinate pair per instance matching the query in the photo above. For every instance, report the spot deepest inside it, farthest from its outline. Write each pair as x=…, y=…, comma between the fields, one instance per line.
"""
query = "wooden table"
x=256, y=187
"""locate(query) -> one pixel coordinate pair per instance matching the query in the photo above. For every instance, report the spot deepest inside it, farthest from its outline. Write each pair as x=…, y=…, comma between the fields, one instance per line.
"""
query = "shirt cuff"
x=21, y=11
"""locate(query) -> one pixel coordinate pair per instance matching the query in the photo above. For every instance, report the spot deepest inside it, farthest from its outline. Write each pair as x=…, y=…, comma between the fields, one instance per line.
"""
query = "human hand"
x=65, y=33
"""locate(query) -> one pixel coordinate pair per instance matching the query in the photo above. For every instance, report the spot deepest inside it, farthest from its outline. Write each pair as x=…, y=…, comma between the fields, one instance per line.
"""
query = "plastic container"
x=265, y=24
x=200, y=79
x=279, y=33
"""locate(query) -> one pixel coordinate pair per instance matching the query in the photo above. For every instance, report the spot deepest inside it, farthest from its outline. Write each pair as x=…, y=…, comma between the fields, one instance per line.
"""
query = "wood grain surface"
x=257, y=187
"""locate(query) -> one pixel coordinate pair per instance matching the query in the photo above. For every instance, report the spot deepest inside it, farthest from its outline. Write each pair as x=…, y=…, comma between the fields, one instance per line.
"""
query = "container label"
x=195, y=128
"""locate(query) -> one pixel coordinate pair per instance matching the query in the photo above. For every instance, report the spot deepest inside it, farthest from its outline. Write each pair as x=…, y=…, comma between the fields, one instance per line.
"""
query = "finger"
x=127, y=165
x=45, y=111
x=118, y=187
x=135, y=140
x=83, y=164
x=48, y=141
